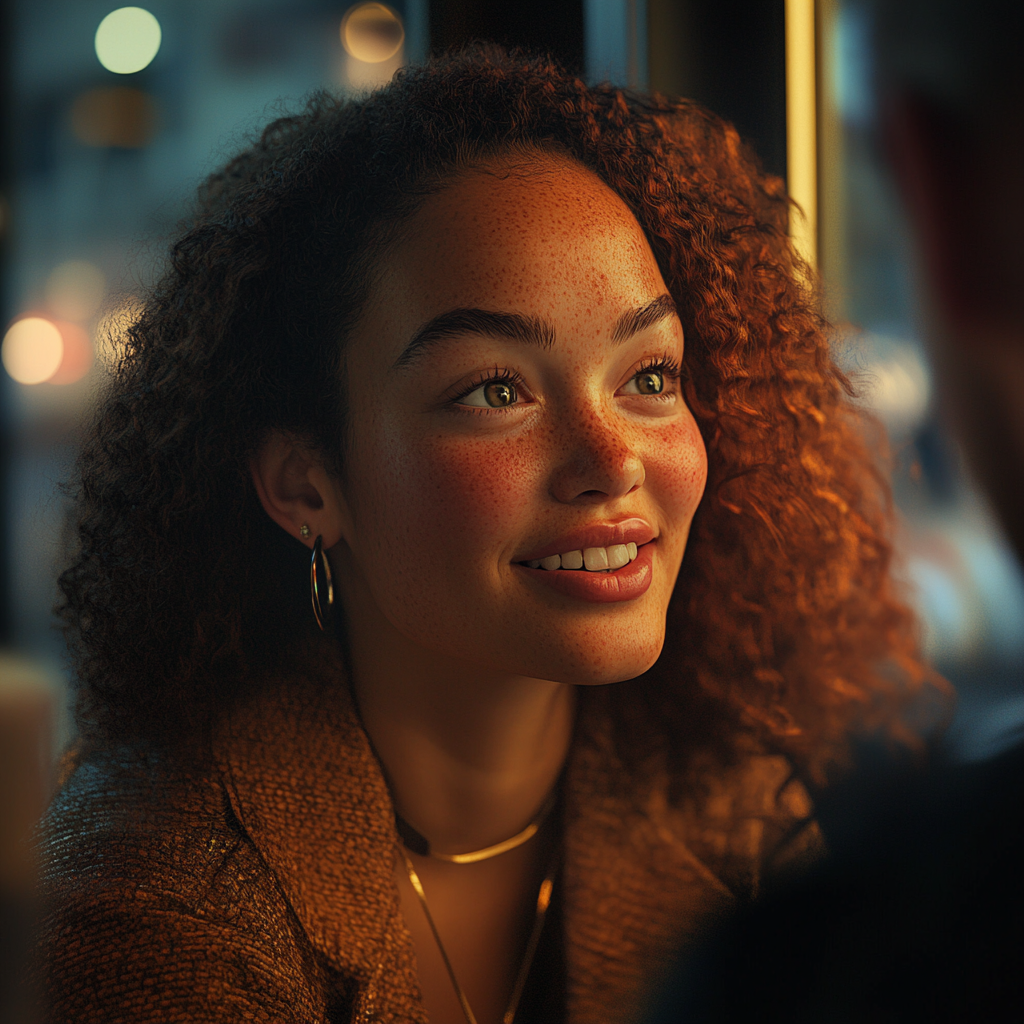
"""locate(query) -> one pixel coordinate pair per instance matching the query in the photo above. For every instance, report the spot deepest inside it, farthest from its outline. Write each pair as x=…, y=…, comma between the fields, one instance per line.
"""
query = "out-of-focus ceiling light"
x=33, y=350
x=77, y=358
x=127, y=40
x=372, y=33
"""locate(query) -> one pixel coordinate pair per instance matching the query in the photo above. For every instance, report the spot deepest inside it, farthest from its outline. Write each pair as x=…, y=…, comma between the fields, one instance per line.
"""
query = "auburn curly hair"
x=784, y=625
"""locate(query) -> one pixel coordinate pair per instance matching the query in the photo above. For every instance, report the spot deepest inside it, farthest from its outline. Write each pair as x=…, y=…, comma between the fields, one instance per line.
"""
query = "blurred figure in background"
x=920, y=914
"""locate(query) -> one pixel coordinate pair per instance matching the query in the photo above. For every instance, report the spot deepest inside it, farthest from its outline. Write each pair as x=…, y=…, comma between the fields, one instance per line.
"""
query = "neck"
x=470, y=756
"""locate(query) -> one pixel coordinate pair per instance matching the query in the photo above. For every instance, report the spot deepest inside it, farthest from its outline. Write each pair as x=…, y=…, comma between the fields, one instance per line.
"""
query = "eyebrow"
x=527, y=330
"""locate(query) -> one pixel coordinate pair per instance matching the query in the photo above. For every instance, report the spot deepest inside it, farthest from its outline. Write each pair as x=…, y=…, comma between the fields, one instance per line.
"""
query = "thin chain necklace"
x=543, y=902
x=415, y=841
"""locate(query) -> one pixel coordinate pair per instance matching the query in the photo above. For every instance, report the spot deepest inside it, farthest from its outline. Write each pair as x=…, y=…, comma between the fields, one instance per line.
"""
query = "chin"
x=601, y=666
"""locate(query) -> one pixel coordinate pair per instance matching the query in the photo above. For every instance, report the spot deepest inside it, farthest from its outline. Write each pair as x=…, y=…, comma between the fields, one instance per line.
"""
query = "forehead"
x=530, y=234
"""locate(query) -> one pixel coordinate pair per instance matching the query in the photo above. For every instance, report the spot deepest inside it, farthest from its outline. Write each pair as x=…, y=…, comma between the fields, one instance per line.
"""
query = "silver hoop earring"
x=320, y=580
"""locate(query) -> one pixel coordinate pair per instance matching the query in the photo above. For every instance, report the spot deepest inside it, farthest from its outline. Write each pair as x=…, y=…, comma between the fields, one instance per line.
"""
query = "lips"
x=598, y=535
x=625, y=583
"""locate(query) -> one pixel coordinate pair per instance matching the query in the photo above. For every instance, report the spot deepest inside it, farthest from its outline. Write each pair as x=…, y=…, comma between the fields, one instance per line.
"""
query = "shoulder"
x=753, y=822
x=157, y=905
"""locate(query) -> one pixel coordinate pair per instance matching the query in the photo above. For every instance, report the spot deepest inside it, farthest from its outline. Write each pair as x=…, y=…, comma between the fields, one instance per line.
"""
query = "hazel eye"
x=495, y=394
x=649, y=382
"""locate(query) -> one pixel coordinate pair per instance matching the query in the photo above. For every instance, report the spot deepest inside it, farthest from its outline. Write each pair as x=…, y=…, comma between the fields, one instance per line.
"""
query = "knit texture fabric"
x=261, y=887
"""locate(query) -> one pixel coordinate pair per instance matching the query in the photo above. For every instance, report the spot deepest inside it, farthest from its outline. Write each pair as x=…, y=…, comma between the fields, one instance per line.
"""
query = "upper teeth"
x=592, y=559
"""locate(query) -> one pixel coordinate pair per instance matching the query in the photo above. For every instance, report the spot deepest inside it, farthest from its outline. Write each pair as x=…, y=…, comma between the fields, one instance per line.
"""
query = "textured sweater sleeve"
x=158, y=908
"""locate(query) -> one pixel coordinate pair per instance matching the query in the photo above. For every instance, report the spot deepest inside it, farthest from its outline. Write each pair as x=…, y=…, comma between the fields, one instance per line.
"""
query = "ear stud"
x=304, y=531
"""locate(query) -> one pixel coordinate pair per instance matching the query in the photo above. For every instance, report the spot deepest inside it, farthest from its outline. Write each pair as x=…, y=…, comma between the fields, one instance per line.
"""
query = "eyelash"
x=666, y=365
x=497, y=375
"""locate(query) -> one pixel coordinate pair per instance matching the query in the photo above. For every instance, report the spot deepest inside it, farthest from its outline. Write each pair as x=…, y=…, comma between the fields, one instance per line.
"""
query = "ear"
x=295, y=490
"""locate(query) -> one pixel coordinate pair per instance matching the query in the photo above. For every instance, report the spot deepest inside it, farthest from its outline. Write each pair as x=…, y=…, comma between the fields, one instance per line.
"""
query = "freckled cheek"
x=461, y=494
x=677, y=469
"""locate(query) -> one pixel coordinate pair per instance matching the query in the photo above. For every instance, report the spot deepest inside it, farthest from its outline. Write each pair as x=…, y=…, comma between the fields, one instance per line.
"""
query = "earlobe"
x=297, y=492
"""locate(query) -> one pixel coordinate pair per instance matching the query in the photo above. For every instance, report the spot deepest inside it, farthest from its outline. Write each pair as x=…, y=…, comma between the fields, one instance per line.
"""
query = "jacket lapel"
x=304, y=783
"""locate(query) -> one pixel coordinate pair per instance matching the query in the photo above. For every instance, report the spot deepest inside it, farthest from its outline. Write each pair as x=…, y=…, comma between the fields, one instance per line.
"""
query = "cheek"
x=677, y=469
x=453, y=493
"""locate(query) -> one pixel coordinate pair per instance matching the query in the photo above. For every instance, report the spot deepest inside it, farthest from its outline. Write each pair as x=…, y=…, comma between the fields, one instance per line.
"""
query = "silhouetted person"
x=919, y=915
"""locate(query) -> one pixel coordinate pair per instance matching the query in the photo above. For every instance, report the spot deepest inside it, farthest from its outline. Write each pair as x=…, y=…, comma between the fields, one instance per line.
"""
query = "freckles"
x=679, y=466
x=474, y=487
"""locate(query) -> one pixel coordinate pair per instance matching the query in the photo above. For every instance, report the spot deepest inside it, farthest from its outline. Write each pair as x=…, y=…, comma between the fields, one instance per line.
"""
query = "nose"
x=596, y=463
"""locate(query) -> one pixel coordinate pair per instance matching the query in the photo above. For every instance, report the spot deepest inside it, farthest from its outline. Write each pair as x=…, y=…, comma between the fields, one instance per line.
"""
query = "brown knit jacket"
x=261, y=888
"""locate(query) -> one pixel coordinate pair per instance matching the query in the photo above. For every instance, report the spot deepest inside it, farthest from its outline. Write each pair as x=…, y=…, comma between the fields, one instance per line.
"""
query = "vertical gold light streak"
x=801, y=127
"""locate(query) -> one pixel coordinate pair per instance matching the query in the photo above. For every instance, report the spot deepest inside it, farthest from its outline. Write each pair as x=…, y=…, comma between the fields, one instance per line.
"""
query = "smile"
x=605, y=559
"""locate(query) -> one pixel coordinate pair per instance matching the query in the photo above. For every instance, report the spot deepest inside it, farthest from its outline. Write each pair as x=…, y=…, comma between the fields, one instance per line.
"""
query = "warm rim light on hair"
x=33, y=350
x=372, y=33
x=112, y=330
x=127, y=40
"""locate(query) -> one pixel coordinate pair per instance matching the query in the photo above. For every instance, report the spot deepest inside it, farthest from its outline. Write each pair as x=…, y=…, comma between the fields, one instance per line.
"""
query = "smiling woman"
x=479, y=357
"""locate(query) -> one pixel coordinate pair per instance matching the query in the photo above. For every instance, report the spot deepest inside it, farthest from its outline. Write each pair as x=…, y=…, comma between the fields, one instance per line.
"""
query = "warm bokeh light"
x=127, y=40
x=372, y=33
x=801, y=126
x=77, y=358
x=118, y=116
x=74, y=290
x=111, y=331
x=32, y=350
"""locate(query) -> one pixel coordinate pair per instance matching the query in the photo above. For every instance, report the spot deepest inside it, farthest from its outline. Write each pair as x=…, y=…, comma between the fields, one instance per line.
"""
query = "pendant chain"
x=543, y=902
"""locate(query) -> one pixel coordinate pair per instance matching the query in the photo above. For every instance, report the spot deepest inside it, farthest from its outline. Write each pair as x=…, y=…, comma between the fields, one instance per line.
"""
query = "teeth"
x=593, y=559
x=618, y=556
x=572, y=560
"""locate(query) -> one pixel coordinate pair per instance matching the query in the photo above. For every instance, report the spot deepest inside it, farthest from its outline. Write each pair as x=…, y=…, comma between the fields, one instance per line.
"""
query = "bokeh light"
x=120, y=117
x=74, y=290
x=77, y=358
x=33, y=350
x=894, y=382
x=112, y=330
x=372, y=33
x=127, y=40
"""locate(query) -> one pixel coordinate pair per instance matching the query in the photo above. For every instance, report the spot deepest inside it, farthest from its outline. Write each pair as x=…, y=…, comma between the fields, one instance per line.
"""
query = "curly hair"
x=181, y=594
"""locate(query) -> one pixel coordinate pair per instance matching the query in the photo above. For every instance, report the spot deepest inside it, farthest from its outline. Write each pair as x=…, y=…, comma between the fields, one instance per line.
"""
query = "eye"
x=495, y=393
x=653, y=378
x=650, y=382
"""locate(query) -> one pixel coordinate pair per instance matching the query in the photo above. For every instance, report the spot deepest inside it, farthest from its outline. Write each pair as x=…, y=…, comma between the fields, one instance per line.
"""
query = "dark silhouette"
x=919, y=915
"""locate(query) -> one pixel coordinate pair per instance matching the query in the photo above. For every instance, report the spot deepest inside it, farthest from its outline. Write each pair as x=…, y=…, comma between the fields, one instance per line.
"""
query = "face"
x=516, y=405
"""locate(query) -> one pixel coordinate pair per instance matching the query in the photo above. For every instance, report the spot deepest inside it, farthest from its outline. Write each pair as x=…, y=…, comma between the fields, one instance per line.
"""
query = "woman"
x=488, y=349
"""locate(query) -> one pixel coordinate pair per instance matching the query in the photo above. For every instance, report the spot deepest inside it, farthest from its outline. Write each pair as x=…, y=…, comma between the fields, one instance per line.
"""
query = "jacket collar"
x=304, y=783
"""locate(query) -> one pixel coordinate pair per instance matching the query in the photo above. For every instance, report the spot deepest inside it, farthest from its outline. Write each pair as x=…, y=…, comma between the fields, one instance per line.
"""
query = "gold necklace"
x=418, y=843
x=543, y=902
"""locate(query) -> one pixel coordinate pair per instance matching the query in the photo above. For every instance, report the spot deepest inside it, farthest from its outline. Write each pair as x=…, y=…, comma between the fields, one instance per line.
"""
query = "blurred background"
x=111, y=117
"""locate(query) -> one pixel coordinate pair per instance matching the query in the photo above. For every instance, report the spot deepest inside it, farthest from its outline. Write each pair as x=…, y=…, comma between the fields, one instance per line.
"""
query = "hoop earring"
x=320, y=578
